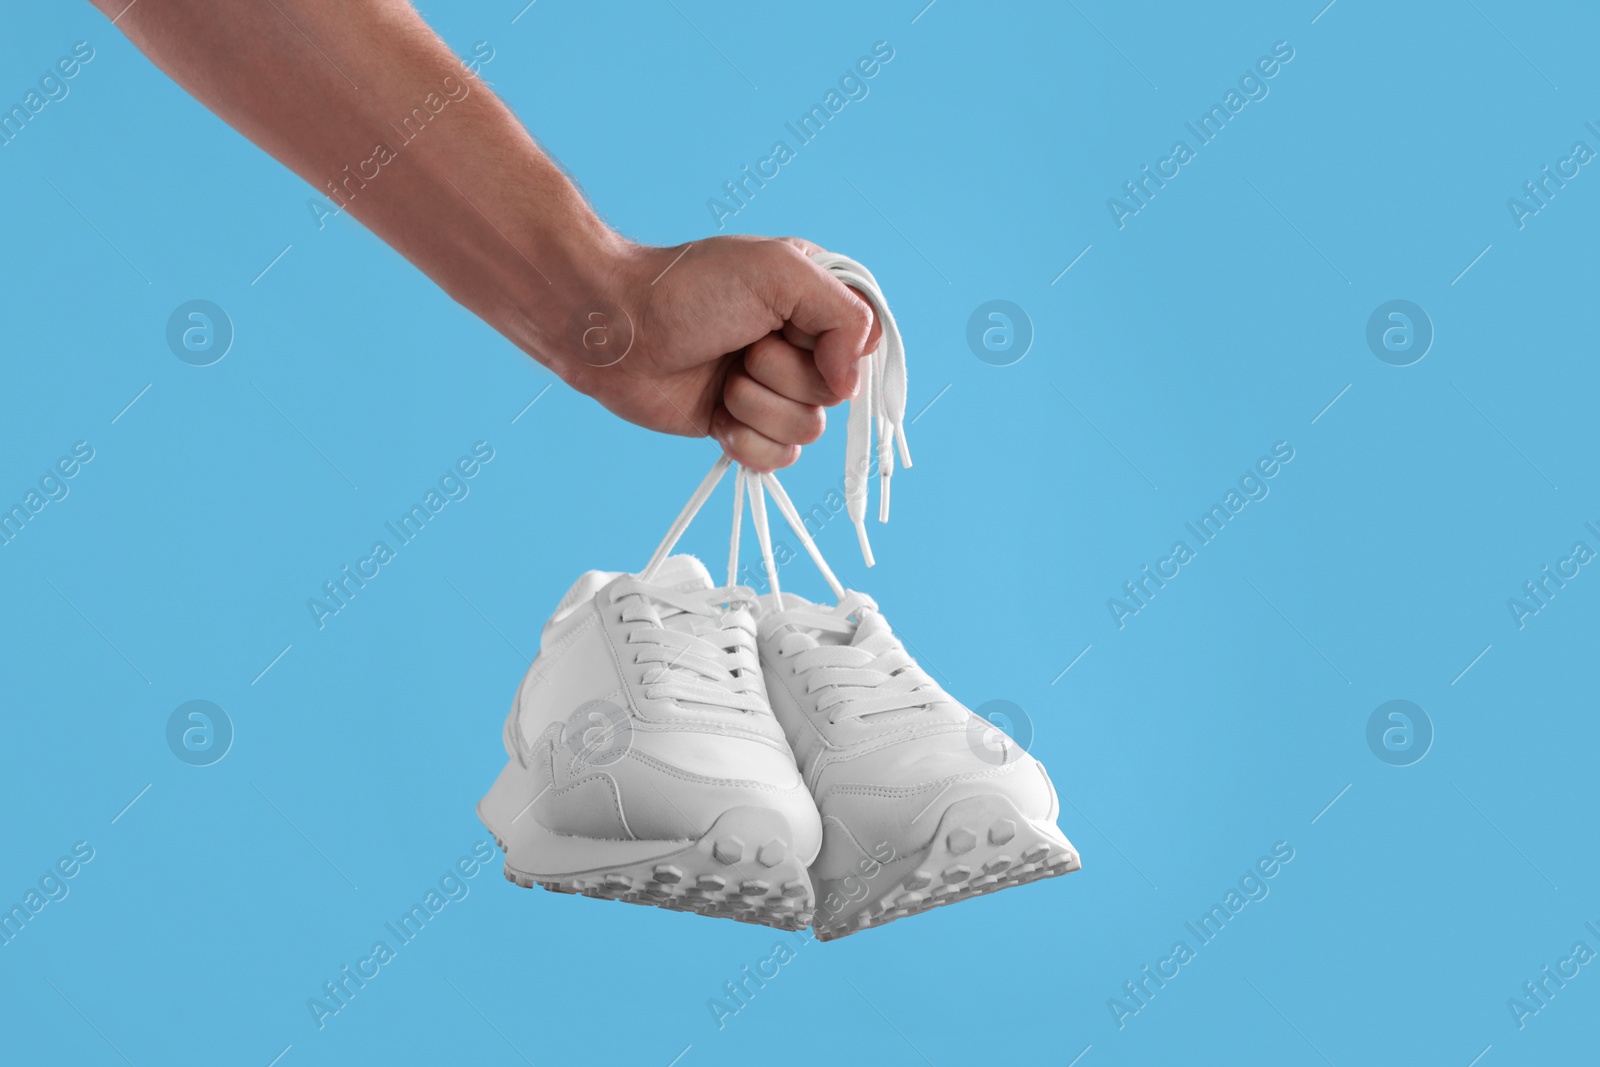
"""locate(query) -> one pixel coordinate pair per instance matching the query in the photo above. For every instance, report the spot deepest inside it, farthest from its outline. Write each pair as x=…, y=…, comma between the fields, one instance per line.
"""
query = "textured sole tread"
x=697, y=881
x=982, y=845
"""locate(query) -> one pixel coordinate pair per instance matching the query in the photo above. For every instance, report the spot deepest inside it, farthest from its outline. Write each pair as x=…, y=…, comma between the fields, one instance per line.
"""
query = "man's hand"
x=743, y=339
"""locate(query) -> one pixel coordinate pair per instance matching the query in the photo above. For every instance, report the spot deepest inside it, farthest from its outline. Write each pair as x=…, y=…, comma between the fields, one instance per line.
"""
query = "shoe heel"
x=513, y=789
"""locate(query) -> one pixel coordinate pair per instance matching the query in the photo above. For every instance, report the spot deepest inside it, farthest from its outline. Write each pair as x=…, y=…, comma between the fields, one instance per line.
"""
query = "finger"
x=800, y=339
x=788, y=371
x=750, y=447
x=819, y=304
x=838, y=351
x=875, y=335
x=776, y=416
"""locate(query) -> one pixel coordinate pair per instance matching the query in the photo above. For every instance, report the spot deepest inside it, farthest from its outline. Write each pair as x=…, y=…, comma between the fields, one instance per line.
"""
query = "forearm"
x=365, y=103
x=746, y=340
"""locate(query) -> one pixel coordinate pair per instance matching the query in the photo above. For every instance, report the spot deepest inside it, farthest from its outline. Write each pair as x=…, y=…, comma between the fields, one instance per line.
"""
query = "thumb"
x=800, y=339
x=823, y=314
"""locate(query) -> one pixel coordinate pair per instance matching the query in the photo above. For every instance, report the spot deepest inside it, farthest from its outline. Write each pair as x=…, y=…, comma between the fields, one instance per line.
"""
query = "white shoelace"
x=714, y=662
x=882, y=401
x=870, y=674
x=881, y=404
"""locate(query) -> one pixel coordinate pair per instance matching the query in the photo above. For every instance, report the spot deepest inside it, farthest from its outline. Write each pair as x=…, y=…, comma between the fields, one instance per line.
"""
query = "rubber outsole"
x=743, y=868
x=983, y=844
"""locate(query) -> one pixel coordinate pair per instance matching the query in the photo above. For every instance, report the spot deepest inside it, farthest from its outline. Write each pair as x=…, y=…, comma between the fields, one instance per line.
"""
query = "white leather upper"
x=876, y=774
x=683, y=762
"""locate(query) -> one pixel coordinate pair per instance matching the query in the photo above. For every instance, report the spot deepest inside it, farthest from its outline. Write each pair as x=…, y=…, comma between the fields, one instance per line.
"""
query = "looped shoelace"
x=882, y=401
x=881, y=404
x=712, y=663
x=872, y=674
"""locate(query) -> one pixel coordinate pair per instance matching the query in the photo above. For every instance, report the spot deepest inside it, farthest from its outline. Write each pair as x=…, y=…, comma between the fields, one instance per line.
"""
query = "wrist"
x=549, y=275
x=572, y=305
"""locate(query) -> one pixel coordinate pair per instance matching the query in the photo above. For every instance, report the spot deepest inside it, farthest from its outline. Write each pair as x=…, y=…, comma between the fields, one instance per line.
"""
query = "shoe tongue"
x=682, y=573
x=871, y=624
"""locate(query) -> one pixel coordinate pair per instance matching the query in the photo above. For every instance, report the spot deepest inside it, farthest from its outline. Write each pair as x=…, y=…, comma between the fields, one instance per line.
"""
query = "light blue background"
x=1223, y=718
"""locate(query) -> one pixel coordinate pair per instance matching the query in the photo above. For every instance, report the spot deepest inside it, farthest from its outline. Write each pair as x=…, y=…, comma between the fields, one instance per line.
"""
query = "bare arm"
x=368, y=105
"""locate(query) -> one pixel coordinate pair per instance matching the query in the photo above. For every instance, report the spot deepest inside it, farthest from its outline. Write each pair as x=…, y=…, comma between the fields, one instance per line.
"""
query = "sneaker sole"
x=983, y=844
x=743, y=868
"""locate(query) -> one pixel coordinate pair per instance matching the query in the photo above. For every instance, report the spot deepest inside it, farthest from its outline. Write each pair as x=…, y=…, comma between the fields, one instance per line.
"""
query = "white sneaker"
x=645, y=764
x=923, y=803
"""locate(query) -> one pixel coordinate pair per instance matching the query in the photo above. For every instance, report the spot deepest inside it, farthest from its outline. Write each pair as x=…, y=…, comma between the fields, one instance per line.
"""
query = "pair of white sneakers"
x=762, y=758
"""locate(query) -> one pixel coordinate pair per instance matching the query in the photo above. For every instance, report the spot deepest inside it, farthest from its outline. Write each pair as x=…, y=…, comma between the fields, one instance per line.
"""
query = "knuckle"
x=739, y=391
x=813, y=422
x=760, y=355
x=777, y=257
x=776, y=457
x=735, y=439
x=859, y=317
x=787, y=248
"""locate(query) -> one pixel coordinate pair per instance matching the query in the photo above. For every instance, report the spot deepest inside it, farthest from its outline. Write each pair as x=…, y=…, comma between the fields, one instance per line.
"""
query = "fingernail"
x=854, y=378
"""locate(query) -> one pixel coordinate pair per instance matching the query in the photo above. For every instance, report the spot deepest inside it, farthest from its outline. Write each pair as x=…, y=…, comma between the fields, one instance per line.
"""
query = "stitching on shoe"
x=901, y=792
x=867, y=748
x=821, y=759
x=700, y=779
x=540, y=673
